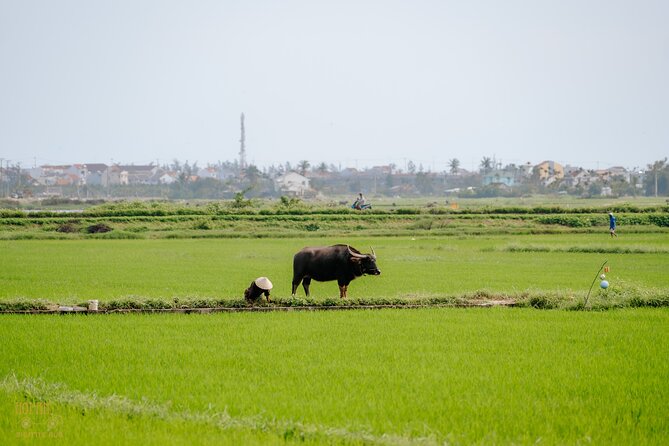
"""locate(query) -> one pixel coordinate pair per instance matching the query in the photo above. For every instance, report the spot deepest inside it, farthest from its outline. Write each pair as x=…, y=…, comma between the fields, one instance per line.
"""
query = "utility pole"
x=2, y=183
x=242, y=147
x=109, y=179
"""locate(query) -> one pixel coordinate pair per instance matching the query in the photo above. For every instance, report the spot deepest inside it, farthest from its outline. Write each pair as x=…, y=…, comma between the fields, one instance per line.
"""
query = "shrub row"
x=565, y=219
x=139, y=209
x=589, y=249
x=583, y=221
x=620, y=296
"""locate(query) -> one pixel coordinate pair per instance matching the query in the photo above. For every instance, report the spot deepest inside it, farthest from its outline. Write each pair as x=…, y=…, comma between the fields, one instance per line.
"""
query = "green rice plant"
x=83, y=267
x=427, y=376
x=423, y=224
x=117, y=235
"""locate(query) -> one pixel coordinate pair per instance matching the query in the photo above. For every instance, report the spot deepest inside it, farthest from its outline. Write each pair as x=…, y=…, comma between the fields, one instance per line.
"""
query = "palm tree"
x=486, y=164
x=253, y=174
x=656, y=167
x=454, y=165
x=303, y=166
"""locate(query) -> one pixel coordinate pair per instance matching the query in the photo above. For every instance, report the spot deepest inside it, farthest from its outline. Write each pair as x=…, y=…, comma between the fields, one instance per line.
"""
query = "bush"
x=406, y=211
x=571, y=221
x=8, y=213
x=543, y=302
x=98, y=228
x=649, y=301
x=24, y=304
x=289, y=202
x=202, y=224
x=659, y=219
x=67, y=228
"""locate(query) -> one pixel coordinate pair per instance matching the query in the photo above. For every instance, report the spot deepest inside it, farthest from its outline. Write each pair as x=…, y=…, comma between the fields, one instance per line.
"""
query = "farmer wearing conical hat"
x=258, y=287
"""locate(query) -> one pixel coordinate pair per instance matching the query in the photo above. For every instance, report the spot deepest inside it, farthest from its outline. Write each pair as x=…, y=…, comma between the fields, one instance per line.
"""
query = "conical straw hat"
x=264, y=283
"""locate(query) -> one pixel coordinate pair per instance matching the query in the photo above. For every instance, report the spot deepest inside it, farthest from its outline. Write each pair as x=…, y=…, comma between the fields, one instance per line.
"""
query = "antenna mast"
x=242, y=147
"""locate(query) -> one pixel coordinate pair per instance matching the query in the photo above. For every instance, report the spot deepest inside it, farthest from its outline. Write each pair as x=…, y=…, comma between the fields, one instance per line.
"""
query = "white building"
x=293, y=183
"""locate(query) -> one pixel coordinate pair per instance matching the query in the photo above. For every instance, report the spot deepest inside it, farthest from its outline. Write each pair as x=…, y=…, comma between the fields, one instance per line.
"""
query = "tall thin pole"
x=585, y=302
x=109, y=179
x=242, y=147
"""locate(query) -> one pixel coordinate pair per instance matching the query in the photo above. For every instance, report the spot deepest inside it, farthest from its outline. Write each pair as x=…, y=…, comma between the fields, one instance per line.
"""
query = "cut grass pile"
x=460, y=376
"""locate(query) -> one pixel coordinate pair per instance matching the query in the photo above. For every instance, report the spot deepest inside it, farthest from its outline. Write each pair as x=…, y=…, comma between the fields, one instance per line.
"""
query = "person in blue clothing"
x=360, y=203
x=612, y=225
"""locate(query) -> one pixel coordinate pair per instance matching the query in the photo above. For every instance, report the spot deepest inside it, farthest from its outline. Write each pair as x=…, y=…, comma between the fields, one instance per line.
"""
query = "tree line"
x=332, y=180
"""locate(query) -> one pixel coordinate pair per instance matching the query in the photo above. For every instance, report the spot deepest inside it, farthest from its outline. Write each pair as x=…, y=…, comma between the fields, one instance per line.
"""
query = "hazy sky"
x=354, y=83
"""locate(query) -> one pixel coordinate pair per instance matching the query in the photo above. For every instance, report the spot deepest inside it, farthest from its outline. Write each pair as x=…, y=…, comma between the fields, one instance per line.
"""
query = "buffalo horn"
x=355, y=254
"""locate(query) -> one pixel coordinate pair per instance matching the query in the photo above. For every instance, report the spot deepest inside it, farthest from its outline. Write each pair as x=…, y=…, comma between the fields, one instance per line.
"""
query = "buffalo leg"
x=343, y=290
x=296, y=283
x=305, y=284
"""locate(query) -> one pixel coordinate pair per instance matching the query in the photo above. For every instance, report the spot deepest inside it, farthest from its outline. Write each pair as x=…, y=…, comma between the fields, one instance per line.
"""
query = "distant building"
x=136, y=174
x=499, y=177
x=293, y=183
x=168, y=178
x=96, y=174
x=578, y=177
x=526, y=169
x=52, y=175
x=35, y=173
x=381, y=170
x=349, y=172
x=620, y=172
x=207, y=172
x=549, y=169
x=549, y=172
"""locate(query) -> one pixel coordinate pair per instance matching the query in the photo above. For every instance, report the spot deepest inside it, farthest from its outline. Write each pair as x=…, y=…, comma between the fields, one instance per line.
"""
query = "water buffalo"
x=338, y=262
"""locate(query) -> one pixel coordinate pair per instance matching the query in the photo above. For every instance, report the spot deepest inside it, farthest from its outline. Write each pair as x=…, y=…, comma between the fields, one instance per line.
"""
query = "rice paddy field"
x=430, y=376
x=573, y=374
x=74, y=271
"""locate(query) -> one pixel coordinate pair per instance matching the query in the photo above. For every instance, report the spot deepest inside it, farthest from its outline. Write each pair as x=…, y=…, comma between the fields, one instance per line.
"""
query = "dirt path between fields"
x=264, y=309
